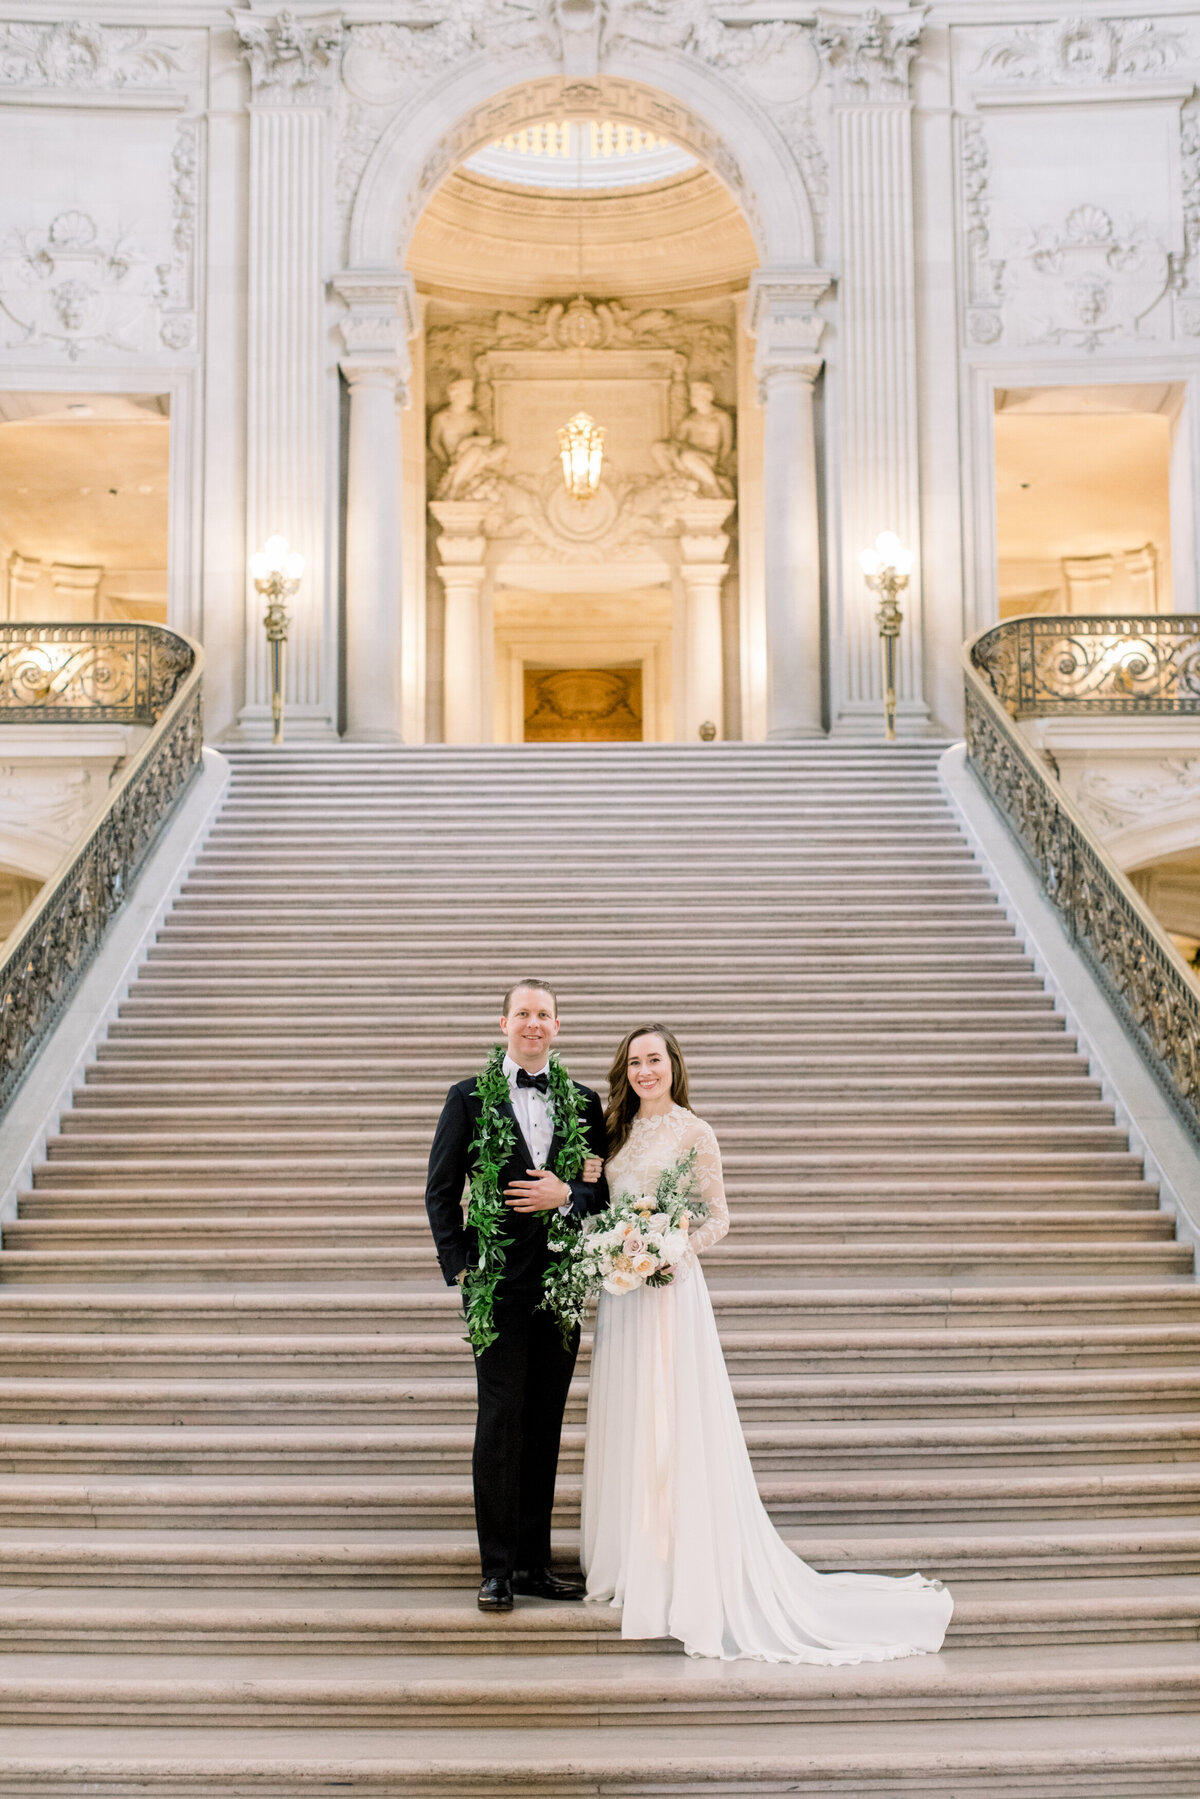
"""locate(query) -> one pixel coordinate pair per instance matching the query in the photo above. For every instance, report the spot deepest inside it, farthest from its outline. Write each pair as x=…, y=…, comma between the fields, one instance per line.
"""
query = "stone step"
x=114, y=1347
x=1123, y=1756
x=620, y=1693
x=439, y=1621
x=1022, y=1445
x=801, y=1264
x=55, y=1185
x=439, y=1500
x=336, y=1309
x=1023, y=1393
x=1142, y=1545
x=1043, y=1201
x=769, y=1228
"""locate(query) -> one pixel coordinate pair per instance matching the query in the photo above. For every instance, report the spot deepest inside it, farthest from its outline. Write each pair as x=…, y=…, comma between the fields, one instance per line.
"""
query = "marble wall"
x=946, y=204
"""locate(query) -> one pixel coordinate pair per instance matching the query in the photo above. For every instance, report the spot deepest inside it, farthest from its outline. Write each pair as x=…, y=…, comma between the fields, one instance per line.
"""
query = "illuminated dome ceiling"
x=591, y=153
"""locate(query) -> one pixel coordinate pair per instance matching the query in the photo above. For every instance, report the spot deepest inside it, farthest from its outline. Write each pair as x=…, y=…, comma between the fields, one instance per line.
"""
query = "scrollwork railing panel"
x=89, y=674
x=1082, y=665
x=143, y=675
x=1144, y=975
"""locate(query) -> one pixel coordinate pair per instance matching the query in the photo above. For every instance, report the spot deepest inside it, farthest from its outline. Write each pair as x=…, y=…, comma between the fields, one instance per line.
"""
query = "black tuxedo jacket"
x=526, y=1258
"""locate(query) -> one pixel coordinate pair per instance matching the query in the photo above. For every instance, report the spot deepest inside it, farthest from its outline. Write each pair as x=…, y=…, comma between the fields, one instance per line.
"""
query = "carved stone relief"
x=69, y=287
x=88, y=56
x=868, y=55
x=525, y=501
x=290, y=57
x=1081, y=50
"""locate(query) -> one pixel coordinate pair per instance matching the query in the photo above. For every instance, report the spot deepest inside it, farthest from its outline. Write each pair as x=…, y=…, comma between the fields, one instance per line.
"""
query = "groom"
x=523, y=1376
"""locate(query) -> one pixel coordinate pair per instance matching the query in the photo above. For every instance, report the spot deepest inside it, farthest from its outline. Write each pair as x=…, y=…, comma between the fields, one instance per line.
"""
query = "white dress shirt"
x=534, y=1113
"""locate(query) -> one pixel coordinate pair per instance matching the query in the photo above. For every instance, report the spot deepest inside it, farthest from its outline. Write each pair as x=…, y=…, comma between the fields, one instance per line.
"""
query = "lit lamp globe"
x=276, y=572
x=581, y=450
x=887, y=566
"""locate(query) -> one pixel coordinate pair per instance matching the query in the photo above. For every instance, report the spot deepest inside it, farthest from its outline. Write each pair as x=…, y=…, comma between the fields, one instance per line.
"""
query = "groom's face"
x=530, y=1027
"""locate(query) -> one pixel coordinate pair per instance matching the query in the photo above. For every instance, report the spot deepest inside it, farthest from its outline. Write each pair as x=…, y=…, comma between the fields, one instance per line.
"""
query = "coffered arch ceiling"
x=487, y=237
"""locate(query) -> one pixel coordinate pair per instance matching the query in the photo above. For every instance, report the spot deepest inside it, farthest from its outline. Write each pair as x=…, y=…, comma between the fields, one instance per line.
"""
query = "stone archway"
x=673, y=95
x=679, y=98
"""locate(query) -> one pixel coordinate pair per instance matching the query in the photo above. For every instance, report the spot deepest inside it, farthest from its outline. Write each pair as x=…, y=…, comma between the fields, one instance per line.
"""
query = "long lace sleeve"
x=712, y=1192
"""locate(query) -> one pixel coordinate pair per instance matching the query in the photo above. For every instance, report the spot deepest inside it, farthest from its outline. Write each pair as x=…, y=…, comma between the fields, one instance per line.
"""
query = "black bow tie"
x=540, y=1081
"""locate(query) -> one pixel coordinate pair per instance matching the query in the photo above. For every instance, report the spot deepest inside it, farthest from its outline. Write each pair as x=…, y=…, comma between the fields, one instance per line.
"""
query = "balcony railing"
x=92, y=674
x=1039, y=667
x=1034, y=667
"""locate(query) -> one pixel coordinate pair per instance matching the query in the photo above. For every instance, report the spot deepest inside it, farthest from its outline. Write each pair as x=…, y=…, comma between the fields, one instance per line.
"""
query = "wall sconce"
x=887, y=567
x=276, y=572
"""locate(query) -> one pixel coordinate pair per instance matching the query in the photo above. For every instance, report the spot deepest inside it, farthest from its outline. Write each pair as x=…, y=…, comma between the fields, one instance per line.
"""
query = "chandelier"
x=581, y=439
x=581, y=449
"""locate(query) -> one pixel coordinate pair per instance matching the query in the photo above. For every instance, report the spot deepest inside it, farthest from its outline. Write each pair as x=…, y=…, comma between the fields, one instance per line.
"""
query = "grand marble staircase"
x=236, y=1410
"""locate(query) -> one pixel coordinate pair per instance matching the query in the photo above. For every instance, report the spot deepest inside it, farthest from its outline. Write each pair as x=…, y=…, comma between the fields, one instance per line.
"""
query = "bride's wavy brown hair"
x=623, y=1102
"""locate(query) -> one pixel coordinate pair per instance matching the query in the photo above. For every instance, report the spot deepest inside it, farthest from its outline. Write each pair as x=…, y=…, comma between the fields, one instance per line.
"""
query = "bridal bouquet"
x=638, y=1242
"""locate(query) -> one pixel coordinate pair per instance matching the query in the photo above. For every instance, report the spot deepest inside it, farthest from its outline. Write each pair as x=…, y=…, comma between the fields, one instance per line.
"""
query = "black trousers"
x=522, y=1381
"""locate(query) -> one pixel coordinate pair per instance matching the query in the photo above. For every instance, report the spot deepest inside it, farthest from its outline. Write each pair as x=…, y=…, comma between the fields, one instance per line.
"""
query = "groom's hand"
x=542, y=1192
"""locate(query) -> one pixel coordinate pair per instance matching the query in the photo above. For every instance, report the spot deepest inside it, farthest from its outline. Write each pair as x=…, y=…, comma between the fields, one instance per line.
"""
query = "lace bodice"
x=652, y=1145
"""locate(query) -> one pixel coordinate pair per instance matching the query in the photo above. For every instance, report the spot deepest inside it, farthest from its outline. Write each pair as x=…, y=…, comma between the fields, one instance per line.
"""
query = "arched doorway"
x=583, y=265
x=636, y=322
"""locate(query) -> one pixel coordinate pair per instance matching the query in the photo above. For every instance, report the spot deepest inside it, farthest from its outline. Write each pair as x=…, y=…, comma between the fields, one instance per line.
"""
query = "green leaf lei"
x=487, y=1214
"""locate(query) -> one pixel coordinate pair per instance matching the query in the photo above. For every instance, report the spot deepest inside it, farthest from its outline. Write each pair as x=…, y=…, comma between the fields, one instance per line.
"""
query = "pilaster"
x=293, y=59
x=787, y=329
x=381, y=316
x=867, y=57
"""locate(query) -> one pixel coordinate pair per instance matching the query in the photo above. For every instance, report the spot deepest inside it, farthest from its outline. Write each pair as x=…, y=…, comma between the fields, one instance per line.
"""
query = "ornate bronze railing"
x=1029, y=667
x=1039, y=666
x=136, y=674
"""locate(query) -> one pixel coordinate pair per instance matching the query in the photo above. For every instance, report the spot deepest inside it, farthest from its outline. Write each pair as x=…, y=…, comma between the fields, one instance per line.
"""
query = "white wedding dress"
x=674, y=1531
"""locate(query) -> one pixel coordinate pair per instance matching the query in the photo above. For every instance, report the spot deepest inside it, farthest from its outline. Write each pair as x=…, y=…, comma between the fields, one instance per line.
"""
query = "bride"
x=674, y=1531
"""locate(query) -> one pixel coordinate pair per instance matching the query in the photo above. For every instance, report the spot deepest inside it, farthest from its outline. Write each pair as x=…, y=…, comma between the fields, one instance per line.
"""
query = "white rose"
x=644, y=1265
x=620, y=1282
x=659, y=1223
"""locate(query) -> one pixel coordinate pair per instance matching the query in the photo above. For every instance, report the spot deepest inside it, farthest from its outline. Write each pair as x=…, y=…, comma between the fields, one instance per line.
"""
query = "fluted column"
x=380, y=319
x=787, y=330
x=293, y=64
x=867, y=61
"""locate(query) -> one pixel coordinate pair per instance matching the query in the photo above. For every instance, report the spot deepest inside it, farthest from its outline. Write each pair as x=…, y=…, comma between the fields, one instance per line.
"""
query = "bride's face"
x=649, y=1068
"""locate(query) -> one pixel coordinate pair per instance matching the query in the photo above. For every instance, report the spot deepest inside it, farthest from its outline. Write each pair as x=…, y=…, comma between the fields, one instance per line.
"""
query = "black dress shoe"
x=496, y=1594
x=539, y=1583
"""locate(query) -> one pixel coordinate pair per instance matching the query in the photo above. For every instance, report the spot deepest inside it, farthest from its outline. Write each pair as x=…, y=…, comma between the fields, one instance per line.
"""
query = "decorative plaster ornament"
x=1082, y=50
x=69, y=288
x=868, y=54
x=1084, y=282
x=84, y=55
x=288, y=54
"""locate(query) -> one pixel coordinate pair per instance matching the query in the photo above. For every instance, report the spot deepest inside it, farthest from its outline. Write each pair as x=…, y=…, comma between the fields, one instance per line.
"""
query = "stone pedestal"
x=461, y=551
x=702, y=546
x=787, y=330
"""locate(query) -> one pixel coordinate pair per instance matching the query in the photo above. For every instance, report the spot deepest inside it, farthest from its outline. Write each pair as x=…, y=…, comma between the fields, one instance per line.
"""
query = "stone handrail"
x=91, y=674
x=1014, y=671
